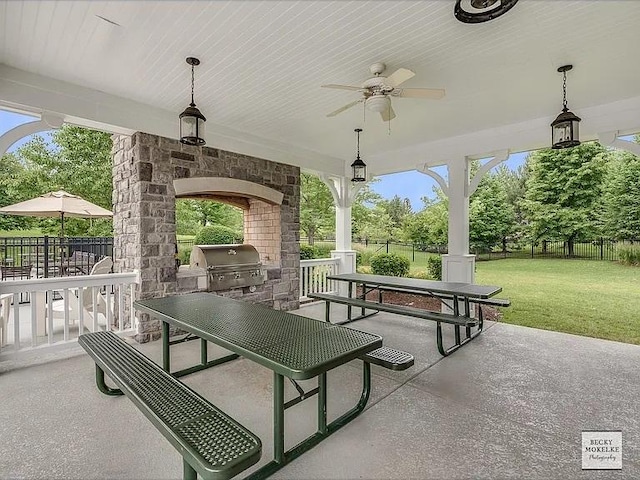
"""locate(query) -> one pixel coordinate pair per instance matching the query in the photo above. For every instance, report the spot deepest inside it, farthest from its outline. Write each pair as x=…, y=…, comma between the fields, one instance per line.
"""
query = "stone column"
x=144, y=169
x=144, y=220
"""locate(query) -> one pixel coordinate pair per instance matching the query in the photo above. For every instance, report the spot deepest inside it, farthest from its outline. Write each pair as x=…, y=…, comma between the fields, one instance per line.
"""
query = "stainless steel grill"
x=228, y=266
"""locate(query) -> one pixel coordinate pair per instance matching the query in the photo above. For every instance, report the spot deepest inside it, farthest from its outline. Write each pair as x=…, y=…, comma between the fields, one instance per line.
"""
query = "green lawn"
x=584, y=297
x=35, y=232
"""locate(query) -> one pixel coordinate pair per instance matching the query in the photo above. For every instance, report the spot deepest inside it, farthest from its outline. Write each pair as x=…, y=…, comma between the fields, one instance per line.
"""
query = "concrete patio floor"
x=511, y=404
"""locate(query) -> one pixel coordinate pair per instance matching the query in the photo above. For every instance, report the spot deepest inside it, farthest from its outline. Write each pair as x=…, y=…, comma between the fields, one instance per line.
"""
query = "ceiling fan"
x=377, y=90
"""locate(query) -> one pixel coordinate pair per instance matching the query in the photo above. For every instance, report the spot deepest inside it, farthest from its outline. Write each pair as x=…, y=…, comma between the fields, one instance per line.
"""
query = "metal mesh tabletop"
x=309, y=355
x=295, y=346
x=470, y=290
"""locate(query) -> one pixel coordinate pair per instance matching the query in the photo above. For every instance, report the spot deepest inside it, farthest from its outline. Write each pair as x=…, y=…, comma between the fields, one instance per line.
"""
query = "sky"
x=412, y=185
x=415, y=185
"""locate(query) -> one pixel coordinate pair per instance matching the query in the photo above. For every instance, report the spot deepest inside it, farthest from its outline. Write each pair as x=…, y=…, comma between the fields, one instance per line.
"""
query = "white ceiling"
x=263, y=63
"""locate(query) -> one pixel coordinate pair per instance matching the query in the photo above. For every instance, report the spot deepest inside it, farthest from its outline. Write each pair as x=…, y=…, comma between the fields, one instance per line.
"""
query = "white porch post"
x=344, y=192
x=458, y=265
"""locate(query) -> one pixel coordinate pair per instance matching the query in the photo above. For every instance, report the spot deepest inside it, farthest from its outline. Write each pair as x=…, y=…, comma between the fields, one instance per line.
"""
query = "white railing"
x=60, y=309
x=313, y=276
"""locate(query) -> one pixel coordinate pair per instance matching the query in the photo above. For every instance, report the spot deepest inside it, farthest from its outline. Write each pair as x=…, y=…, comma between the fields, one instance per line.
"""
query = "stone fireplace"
x=150, y=172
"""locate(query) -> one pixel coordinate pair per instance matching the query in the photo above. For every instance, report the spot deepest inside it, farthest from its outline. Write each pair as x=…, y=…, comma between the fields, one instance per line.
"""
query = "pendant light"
x=565, y=128
x=191, y=120
x=358, y=167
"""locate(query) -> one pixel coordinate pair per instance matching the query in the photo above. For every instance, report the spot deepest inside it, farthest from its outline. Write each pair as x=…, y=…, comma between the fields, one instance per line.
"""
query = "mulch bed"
x=424, y=302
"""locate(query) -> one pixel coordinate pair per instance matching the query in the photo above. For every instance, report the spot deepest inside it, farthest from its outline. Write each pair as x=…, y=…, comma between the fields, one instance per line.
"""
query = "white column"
x=344, y=192
x=458, y=265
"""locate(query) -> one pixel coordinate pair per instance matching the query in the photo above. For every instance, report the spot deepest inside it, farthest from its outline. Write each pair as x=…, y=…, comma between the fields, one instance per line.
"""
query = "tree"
x=514, y=185
x=563, y=191
x=192, y=215
x=365, y=217
x=378, y=225
x=621, y=198
x=491, y=217
x=317, y=211
x=79, y=162
x=10, y=168
x=431, y=224
x=399, y=210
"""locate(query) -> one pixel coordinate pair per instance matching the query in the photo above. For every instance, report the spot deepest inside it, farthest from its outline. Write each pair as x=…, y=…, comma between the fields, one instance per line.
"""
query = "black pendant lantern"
x=358, y=167
x=565, y=128
x=191, y=120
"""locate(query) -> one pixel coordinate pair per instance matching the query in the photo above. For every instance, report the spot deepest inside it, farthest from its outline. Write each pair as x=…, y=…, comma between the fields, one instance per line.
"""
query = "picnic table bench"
x=459, y=293
x=212, y=444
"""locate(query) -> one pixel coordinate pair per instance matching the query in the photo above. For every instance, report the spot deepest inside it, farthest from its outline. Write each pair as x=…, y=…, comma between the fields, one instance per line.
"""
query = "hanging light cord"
x=192, y=81
x=564, y=92
x=358, y=155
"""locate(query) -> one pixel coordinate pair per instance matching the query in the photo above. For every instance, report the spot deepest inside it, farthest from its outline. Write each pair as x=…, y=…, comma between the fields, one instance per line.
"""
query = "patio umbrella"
x=54, y=204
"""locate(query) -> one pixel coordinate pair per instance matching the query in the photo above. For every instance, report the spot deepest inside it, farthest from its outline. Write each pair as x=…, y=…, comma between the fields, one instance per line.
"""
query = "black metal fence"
x=25, y=257
x=596, y=249
x=185, y=242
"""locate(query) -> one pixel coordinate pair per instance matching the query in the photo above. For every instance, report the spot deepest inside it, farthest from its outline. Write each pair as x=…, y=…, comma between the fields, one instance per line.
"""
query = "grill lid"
x=240, y=256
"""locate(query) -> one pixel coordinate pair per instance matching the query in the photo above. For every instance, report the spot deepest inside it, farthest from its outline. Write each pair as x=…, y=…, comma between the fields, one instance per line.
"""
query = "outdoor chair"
x=79, y=263
x=101, y=267
x=15, y=273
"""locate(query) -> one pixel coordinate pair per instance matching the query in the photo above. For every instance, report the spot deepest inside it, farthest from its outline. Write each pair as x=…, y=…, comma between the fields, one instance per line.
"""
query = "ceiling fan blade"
x=388, y=114
x=432, y=93
x=399, y=76
x=342, y=87
x=342, y=109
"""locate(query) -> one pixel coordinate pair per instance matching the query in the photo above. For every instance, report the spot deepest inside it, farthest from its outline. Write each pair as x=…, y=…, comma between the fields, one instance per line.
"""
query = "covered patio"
x=512, y=404
x=121, y=68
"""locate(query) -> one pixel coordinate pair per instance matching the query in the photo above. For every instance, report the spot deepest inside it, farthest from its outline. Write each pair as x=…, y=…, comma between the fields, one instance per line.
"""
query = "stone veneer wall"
x=262, y=229
x=144, y=167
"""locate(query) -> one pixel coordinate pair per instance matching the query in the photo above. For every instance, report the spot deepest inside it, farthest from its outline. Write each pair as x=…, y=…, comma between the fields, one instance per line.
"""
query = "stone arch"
x=227, y=190
x=260, y=204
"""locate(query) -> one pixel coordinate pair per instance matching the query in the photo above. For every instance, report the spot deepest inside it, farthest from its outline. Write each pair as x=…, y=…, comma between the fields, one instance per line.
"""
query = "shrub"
x=434, y=267
x=421, y=274
x=390, y=264
x=307, y=252
x=366, y=269
x=323, y=251
x=629, y=254
x=363, y=257
x=184, y=255
x=217, y=235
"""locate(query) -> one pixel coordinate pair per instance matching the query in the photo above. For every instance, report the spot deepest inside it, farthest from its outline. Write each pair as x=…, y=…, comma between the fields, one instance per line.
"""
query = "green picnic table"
x=290, y=345
x=452, y=294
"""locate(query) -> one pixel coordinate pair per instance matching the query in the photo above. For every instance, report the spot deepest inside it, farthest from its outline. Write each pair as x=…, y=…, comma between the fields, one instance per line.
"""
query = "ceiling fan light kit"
x=479, y=11
x=565, y=131
x=192, y=120
x=377, y=103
